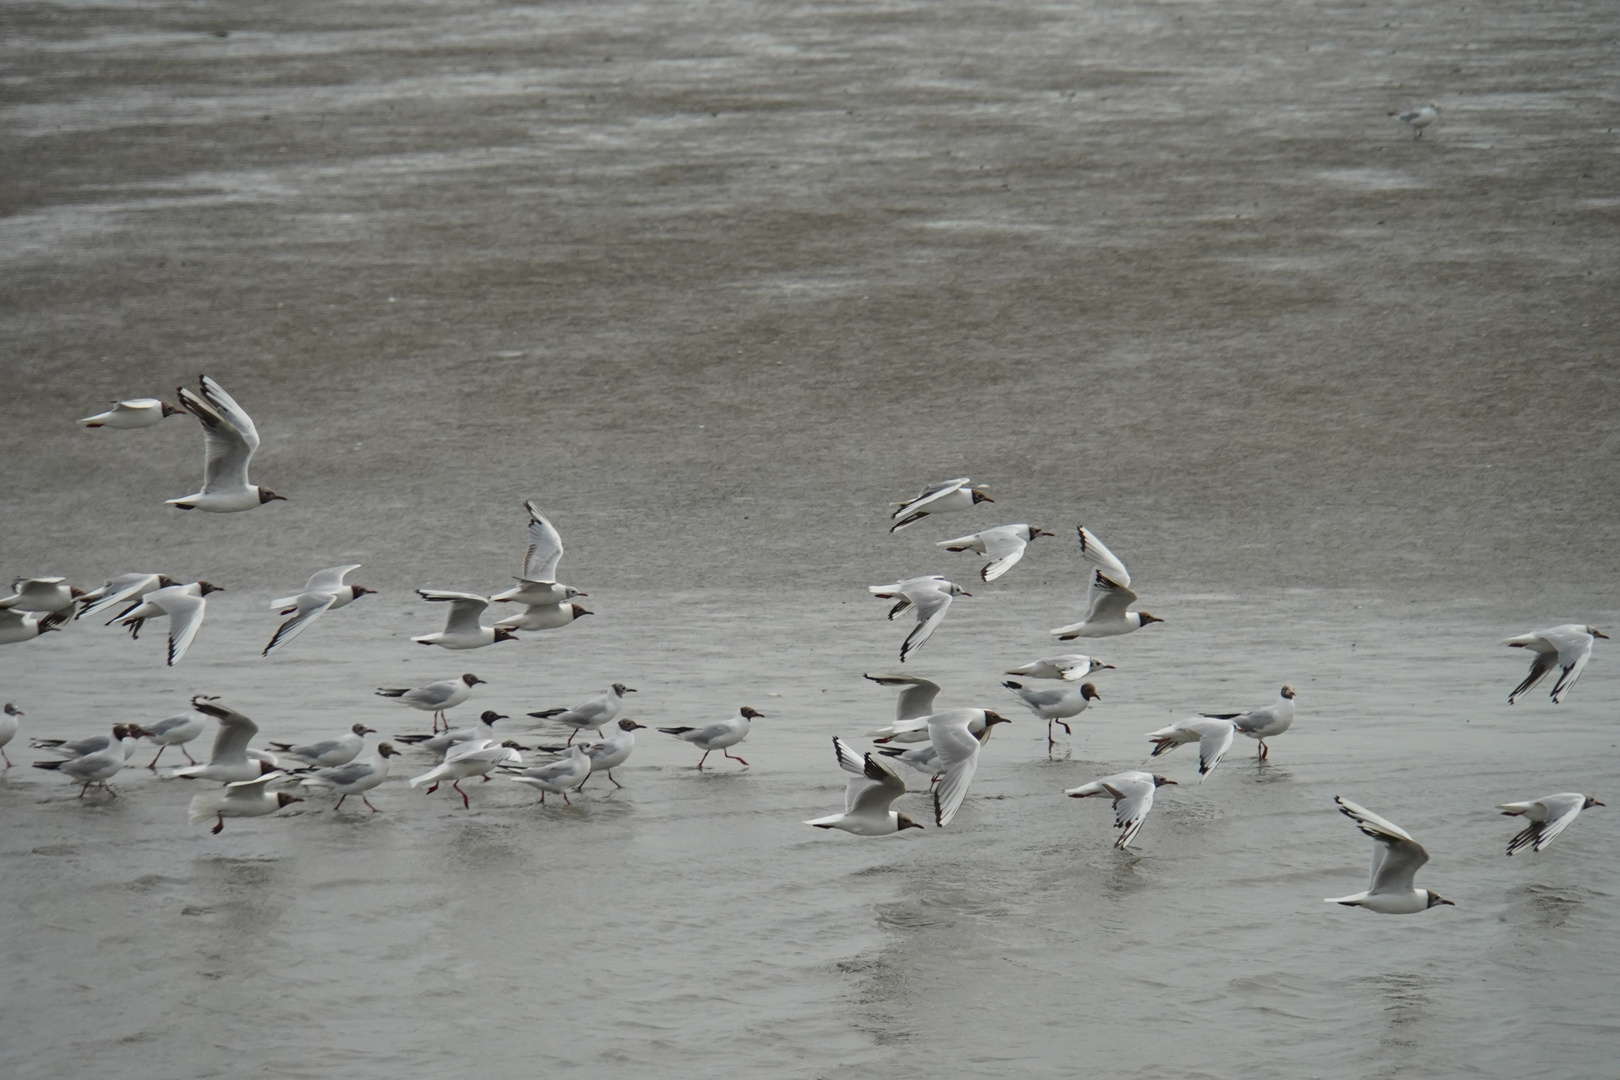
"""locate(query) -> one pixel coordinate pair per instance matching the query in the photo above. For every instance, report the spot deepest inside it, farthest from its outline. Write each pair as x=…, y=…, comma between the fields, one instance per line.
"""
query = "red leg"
x=367, y=801
x=84, y=789
x=219, y=823
x=570, y=741
x=339, y=806
x=733, y=757
x=465, y=805
x=189, y=758
x=610, y=777
x=3, y=755
x=704, y=758
x=432, y=789
x=565, y=799
x=153, y=764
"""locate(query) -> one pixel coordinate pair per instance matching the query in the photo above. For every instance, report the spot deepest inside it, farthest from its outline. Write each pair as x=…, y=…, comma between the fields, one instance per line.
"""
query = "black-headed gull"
x=241, y=798
x=1071, y=667
x=1132, y=792
x=476, y=757
x=957, y=751
x=1004, y=545
x=79, y=747
x=229, y=439
x=1566, y=648
x=461, y=627
x=930, y=595
x=1265, y=722
x=712, y=737
x=950, y=497
x=542, y=617
x=16, y=626
x=1212, y=734
x=1055, y=705
x=1548, y=816
x=539, y=585
x=176, y=730
x=1419, y=118
x=1396, y=860
x=325, y=591
x=124, y=587
x=230, y=760
x=1106, y=614
x=41, y=595
x=441, y=744
x=355, y=778
x=185, y=605
x=557, y=777
x=592, y=714
x=911, y=709
x=435, y=697
x=329, y=752
x=96, y=767
x=609, y=752
x=9, y=718
x=132, y=413
x=869, y=797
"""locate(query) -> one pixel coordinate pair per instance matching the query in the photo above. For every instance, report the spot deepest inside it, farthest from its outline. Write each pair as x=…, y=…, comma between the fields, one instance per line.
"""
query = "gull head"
x=903, y=822
x=750, y=714
x=206, y=587
x=1590, y=802
x=1036, y=530
x=957, y=590
x=284, y=799
x=621, y=689
x=489, y=716
x=1089, y=692
x=631, y=725
x=578, y=611
x=266, y=495
x=1435, y=899
x=361, y=729
x=386, y=750
x=504, y=635
x=471, y=679
x=361, y=590
x=1160, y=781
x=981, y=493
x=991, y=719
x=1595, y=632
x=1287, y=692
x=1146, y=618
x=168, y=409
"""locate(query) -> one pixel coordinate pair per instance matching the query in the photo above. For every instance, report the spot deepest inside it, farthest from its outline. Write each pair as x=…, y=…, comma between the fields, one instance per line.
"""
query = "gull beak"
x=1601, y=634
x=1596, y=802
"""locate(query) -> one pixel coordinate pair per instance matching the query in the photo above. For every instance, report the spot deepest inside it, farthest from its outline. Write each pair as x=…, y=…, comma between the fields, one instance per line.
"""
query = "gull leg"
x=465, y=805
x=219, y=823
x=704, y=758
x=339, y=805
x=367, y=801
x=565, y=799
x=733, y=758
x=432, y=789
x=153, y=763
x=1265, y=751
x=186, y=752
x=3, y=755
x=84, y=789
x=570, y=741
x=610, y=777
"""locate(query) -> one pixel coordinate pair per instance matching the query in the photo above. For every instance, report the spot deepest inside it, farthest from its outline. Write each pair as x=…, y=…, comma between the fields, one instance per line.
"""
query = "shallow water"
x=714, y=283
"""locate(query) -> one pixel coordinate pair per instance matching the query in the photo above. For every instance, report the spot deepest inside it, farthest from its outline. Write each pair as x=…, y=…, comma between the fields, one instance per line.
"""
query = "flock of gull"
x=943, y=744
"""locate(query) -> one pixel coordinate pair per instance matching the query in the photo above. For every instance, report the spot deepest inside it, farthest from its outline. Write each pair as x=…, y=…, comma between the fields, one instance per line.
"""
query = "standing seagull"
x=132, y=413
x=539, y=585
x=1004, y=545
x=1419, y=118
x=119, y=589
x=42, y=595
x=355, y=778
x=93, y=768
x=462, y=629
x=957, y=752
x=931, y=596
x=8, y=729
x=478, y=757
x=1566, y=647
x=183, y=604
x=230, y=439
x=243, y=798
x=609, y=752
x=1396, y=860
x=1055, y=706
x=18, y=626
x=712, y=737
x=1132, y=793
x=948, y=498
x=329, y=752
x=1071, y=667
x=325, y=591
x=1263, y=723
x=558, y=777
x=435, y=697
x=1213, y=736
x=1548, y=816
x=593, y=713
x=177, y=730
x=868, y=798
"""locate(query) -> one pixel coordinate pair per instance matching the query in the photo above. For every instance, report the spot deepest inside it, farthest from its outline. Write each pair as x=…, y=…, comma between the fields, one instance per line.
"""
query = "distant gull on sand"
x=1396, y=860
x=1419, y=118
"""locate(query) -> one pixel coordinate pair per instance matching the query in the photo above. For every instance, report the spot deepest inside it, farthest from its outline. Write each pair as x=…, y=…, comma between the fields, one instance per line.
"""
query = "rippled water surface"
x=715, y=283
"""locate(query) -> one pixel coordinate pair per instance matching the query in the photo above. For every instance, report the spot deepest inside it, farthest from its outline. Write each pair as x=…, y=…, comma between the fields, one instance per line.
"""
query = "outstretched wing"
x=1396, y=856
x=1132, y=801
x=229, y=437
x=310, y=606
x=876, y=790
x=330, y=579
x=1107, y=598
x=544, y=550
x=1004, y=547
x=917, y=697
x=465, y=608
x=930, y=494
x=1093, y=551
x=958, y=754
x=1561, y=811
x=931, y=607
x=185, y=618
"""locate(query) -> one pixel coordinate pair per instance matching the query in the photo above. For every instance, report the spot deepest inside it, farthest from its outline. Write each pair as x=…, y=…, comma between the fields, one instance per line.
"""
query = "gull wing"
x=917, y=697
x=1396, y=856
x=848, y=758
x=1093, y=551
x=1574, y=647
x=1133, y=799
x=1215, y=739
x=931, y=494
x=544, y=550
x=464, y=609
x=932, y=603
x=235, y=730
x=240, y=787
x=1107, y=598
x=310, y=606
x=433, y=693
x=1004, y=547
x=958, y=754
x=185, y=618
x=875, y=790
x=117, y=590
x=1561, y=810
x=344, y=775
x=228, y=446
x=330, y=579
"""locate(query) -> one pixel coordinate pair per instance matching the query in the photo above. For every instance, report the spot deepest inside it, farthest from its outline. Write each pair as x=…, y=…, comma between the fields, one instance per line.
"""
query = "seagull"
x=324, y=592
x=441, y=744
x=1106, y=616
x=1055, y=706
x=183, y=604
x=177, y=730
x=868, y=798
x=1566, y=647
x=1419, y=118
x=957, y=749
x=1548, y=816
x=931, y=596
x=543, y=617
x=476, y=757
x=1396, y=859
x=538, y=586
x=462, y=629
x=243, y=798
x=591, y=714
x=331, y=752
x=435, y=697
x=230, y=439
x=355, y=778
x=96, y=767
x=1132, y=793
x=132, y=413
x=1213, y=736
x=1004, y=545
x=1263, y=723
x=714, y=737
x=1070, y=667
x=230, y=760
x=558, y=777
x=912, y=708
x=18, y=626
x=611, y=751
x=119, y=589
x=41, y=595
x=80, y=747
x=8, y=728
x=947, y=498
